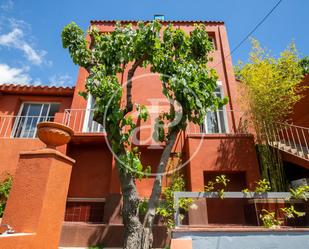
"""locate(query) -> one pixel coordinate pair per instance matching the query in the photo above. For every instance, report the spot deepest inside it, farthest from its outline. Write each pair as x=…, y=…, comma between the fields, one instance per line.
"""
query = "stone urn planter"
x=54, y=134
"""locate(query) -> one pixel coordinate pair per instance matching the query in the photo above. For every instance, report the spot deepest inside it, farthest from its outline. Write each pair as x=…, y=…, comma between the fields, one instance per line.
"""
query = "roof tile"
x=165, y=21
x=40, y=89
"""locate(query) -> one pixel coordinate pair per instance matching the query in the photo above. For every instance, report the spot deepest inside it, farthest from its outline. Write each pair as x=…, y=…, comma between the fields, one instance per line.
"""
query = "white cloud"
x=34, y=56
x=15, y=39
x=10, y=38
x=62, y=80
x=7, y=5
x=14, y=75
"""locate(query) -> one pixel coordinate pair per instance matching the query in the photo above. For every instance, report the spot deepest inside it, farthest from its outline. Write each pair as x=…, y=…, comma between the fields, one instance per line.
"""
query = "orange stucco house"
x=219, y=146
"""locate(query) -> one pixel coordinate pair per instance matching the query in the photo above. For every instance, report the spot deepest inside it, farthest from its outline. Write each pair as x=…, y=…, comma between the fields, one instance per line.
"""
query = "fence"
x=81, y=121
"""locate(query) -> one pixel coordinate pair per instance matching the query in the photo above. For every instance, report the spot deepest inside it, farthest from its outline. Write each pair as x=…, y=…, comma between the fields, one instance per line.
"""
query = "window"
x=84, y=211
x=215, y=121
x=89, y=124
x=30, y=115
x=211, y=38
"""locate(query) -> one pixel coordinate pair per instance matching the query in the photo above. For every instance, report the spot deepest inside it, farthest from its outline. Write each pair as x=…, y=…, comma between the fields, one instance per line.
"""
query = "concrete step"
x=89, y=247
x=297, y=150
x=303, y=154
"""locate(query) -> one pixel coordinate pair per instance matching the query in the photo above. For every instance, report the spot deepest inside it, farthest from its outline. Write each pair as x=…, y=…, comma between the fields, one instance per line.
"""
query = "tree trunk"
x=132, y=225
x=133, y=228
x=147, y=236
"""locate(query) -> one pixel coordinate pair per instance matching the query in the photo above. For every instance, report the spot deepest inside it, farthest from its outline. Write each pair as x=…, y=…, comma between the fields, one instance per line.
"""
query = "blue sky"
x=30, y=43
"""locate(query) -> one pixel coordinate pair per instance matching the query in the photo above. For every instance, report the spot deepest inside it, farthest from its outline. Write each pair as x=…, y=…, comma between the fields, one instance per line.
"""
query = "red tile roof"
x=165, y=21
x=36, y=90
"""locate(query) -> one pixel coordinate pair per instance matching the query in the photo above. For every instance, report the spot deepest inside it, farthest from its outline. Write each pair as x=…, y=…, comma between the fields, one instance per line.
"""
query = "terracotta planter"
x=54, y=134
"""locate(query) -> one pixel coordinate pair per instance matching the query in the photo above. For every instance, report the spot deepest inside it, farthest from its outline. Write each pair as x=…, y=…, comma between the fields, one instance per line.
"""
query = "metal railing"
x=21, y=126
x=81, y=121
x=290, y=138
x=219, y=122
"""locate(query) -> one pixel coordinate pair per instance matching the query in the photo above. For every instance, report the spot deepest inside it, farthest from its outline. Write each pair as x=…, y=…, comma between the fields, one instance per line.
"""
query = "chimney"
x=158, y=17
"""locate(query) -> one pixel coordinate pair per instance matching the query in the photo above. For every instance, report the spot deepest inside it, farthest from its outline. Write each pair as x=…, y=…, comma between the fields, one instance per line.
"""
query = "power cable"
x=253, y=30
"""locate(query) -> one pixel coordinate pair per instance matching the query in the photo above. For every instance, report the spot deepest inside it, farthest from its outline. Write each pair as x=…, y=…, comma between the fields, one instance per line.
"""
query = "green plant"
x=166, y=207
x=262, y=186
x=272, y=84
x=269, y=90
x=95, y=247
x=215, y=186
x=300, y=193
x=269, y=219
x=209, y=187
x=5, y=187
x=270, y=161
x=245, y=191
x=143, y=206
x=291, y=212
x=222, y=179
x=304, y=64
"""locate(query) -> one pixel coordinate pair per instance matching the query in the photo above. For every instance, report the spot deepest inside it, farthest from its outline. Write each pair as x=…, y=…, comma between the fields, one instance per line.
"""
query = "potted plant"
x=276, y=211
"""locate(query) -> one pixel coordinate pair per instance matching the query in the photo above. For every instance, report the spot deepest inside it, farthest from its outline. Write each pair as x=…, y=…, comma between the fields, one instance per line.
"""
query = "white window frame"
x=220, y=86
x=87, y=113
x=18, y=117
x=87, y=120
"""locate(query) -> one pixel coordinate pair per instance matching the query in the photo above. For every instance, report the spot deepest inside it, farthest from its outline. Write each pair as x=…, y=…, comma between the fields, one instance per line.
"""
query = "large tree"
x=181, y=61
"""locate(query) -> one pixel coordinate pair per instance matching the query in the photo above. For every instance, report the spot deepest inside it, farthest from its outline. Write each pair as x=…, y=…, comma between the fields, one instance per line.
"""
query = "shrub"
x=5, y=187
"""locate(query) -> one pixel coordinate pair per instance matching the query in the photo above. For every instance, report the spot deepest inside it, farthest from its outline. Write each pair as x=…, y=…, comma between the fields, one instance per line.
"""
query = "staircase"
x=289, y=138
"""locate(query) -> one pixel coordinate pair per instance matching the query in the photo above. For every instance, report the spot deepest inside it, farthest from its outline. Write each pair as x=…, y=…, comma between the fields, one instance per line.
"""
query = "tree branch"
x=157, y=186
x=136, y=64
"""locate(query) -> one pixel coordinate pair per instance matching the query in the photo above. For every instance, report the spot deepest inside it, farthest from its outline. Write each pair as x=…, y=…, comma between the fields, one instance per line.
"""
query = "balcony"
x=80, y=120
x=21, y=126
